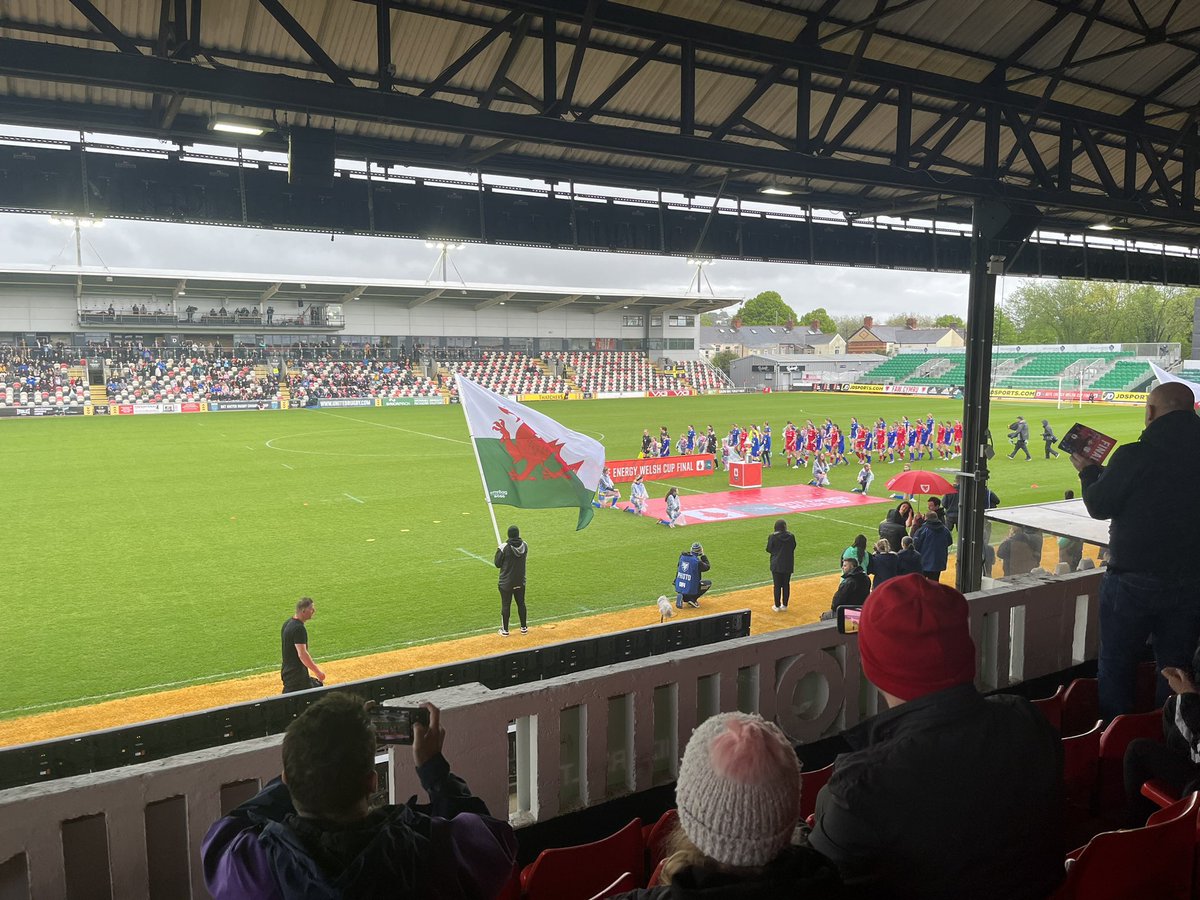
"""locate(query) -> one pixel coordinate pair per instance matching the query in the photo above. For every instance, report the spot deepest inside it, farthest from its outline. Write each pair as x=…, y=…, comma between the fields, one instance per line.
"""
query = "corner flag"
x=526, y=459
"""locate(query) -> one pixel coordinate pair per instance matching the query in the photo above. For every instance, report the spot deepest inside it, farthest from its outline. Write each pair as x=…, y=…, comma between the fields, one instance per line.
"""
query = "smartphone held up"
x=394, y=724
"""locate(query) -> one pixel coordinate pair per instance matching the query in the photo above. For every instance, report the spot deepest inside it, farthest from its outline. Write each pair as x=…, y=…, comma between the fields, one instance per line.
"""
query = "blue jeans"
x=1133, y=607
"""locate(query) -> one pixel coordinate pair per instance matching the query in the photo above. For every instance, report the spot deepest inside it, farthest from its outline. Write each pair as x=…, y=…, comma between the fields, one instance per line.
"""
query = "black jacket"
x=946, y=797
x=883, y=567
x=1150, y=491
x=782, y=547
x=510, y=560
x=798, y=872
x=950, y=506
x=908, y=562
x=892, y=529
x=853, y=589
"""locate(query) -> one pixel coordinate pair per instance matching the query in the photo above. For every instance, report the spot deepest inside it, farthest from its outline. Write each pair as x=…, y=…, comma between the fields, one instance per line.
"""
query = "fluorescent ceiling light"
x=1100, y=226
x=775, y=189
x=238, y=126
x=1111, y=225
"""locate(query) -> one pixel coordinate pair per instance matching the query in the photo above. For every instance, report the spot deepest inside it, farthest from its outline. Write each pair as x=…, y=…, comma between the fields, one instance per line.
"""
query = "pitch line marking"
x=474, y=556
x=682, y=488
x=436, y=437
x=352, y=497
x=286, y=466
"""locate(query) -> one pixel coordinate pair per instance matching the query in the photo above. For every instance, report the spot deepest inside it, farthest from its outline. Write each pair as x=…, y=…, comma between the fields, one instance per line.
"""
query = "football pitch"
x=152, y=552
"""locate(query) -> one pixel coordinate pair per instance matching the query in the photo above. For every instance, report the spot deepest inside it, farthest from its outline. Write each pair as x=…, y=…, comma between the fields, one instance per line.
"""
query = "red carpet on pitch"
x=750, y=503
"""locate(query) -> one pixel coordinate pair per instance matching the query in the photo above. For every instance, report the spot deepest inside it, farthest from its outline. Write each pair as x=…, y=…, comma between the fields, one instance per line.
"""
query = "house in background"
x=769, y=339
x=891, y=339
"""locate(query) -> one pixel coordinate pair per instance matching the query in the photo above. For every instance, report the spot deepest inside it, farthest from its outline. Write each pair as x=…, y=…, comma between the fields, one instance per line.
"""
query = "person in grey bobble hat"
x=738, y=797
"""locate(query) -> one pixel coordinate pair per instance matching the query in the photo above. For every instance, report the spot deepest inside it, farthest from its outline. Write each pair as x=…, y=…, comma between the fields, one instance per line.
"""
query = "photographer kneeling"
x=688, y=584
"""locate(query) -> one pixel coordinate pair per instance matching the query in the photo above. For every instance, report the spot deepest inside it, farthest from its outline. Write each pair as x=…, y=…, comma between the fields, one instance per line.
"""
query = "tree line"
x=1037, y=312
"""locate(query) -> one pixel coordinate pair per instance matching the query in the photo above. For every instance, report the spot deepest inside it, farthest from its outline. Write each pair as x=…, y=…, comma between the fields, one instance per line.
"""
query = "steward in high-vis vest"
x=688, y=583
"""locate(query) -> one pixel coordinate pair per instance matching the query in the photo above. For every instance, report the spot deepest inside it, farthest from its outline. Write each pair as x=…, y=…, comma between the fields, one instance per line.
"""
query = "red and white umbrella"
x=916, y=481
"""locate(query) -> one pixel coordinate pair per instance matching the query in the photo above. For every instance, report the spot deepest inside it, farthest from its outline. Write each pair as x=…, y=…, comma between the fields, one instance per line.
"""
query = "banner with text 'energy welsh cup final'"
x=527, y=459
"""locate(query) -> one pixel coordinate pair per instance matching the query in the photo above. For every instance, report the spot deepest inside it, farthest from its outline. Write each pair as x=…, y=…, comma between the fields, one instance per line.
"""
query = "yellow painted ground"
x=810, y=597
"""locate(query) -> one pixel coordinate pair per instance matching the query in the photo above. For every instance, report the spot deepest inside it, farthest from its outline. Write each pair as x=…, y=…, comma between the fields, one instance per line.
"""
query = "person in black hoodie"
x=1150, y=492
x=312, y=834
x=781, y=544
x=892, y=529
x=854, y=586
x=738, y=797
x=908, y=560
x=510, y=560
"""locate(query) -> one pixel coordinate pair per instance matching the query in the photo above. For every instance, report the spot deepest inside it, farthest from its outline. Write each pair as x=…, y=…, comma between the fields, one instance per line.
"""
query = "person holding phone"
x=313, y=833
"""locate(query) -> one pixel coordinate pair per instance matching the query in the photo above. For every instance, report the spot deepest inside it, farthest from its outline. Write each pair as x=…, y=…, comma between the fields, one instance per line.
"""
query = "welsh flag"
x=527, y=459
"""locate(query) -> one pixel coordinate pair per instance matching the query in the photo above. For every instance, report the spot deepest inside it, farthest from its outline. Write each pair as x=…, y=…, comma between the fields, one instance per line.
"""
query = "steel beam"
x=559, y=303
x=427, y=297
x=261, y=90
x=314, y=50
x=107, y=29
x=494, y=301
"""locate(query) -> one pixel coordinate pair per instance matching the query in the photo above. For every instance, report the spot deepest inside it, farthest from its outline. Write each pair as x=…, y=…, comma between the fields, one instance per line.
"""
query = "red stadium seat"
x=1081, y=706
x=1113, y=741
x=1154, y=863
x=1159, y=792
x=579, y=872
x=655, y=837
x=656, y=874
x=1081, y=763
x=1051, y=707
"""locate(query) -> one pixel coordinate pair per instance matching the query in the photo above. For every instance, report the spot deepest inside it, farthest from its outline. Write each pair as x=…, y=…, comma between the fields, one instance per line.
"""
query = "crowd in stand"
x=38, y=379
x=313, y=380
x=154, y=380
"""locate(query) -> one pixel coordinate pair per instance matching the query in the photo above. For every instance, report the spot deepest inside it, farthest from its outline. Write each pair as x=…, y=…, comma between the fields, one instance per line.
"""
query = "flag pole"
x=487, y=498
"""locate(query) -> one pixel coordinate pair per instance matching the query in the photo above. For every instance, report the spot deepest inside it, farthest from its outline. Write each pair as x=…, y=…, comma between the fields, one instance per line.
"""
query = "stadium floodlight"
x=1110, y=225
x=235, y=125
x=776, y=189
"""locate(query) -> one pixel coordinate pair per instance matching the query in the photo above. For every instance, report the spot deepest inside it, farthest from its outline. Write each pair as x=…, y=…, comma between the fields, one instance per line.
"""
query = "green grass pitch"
x=152, y=552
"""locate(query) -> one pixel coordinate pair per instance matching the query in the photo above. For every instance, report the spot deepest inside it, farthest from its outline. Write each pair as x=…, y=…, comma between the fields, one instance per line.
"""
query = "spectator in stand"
x=893, y=528
x=947, y=794
x=781, y=544
x=1174, y=760
x=738, y=796
x=852, y=590
x=312, y=832
x=933, y=508
x=950, y=507
x=1150, y=492
x=932, y=540
x=1016, y=553
x=1070, y=550
x=885, y=563
x=858, y=552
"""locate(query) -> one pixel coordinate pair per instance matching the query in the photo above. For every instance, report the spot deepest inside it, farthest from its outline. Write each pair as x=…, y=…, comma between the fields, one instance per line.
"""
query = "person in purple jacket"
x=312, y=834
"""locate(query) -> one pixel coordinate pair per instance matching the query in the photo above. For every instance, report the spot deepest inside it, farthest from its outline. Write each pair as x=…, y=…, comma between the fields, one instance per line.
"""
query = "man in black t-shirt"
x=296, y=661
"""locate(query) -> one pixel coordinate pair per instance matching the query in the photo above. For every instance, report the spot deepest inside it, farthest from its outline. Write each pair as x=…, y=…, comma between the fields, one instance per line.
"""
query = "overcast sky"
x=36, y=240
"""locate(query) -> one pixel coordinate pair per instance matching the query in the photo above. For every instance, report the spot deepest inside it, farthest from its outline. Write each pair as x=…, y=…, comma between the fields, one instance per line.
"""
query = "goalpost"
x=1070, y=390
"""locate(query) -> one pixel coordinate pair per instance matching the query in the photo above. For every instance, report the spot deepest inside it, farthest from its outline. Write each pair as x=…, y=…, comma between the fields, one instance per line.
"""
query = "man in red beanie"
x=947, y=794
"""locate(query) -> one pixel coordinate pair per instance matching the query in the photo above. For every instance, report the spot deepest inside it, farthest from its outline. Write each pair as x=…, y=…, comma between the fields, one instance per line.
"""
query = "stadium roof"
x=225, y=289
x=763, y=336
x=904, y=107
